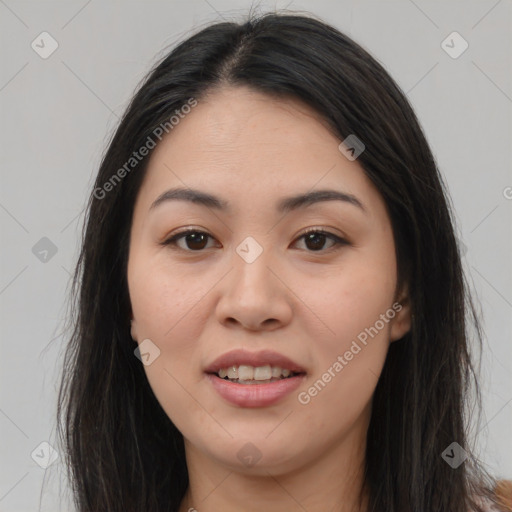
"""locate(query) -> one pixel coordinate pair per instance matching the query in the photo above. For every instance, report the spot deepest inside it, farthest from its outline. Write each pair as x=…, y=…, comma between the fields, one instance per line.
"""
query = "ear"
x=401, y=323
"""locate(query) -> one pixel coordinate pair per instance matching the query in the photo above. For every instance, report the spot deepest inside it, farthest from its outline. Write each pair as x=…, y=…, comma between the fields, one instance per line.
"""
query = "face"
x=304, y=287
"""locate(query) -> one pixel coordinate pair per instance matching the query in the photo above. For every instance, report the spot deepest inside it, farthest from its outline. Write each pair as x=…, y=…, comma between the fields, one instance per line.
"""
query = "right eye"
x=195, y=240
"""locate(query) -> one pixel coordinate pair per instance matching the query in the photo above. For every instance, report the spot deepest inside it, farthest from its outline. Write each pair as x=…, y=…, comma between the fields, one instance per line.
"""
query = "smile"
x=254, y=379
x=245, y=374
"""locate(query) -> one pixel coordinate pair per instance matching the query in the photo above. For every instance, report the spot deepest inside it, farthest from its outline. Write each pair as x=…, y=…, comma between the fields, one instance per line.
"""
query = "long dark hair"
x=123, y=452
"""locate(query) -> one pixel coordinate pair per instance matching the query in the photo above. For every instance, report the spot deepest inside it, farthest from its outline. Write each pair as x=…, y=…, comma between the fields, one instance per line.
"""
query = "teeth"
x=232, y=372
x=262, y=373
x=276, y=371
x=249, y=374
x=245, y=372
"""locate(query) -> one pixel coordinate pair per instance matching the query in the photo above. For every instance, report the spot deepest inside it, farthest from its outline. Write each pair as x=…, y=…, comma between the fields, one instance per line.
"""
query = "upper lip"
x=262, y=358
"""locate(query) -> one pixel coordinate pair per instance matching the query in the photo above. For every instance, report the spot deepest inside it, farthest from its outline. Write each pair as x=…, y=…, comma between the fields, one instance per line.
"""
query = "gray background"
x=57, y=114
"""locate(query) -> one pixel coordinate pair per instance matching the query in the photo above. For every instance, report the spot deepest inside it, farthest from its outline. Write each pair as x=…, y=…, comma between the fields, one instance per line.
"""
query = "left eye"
x=196, y=240
x=316, y=238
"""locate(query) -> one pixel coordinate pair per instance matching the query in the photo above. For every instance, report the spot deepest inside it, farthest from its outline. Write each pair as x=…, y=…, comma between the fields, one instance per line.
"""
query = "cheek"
x=162, y=298
x=165, y=308
x=351, y=300
x=352, y=341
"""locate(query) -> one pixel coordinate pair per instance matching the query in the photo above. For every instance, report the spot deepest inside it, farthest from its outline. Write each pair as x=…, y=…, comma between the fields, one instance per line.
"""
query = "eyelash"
x=338, y=241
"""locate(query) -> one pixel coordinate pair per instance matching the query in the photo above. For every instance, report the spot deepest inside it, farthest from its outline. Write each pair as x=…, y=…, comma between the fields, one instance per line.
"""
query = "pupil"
x=195, y=238
x=314, y=237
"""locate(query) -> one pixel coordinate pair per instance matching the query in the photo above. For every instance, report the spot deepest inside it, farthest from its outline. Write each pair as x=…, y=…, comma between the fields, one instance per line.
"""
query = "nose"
x=254, y=296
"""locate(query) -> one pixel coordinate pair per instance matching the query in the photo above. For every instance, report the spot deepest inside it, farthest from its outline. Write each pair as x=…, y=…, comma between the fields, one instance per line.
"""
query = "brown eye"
x=315, y=240
x=194, y=240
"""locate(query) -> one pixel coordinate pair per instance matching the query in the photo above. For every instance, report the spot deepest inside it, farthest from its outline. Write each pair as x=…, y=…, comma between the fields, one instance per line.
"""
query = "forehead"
x=242, y=144
x=237, y=114
x=240, y=123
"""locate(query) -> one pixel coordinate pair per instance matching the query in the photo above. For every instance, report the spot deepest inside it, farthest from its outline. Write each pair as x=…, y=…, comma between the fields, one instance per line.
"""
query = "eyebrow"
x=285, y=205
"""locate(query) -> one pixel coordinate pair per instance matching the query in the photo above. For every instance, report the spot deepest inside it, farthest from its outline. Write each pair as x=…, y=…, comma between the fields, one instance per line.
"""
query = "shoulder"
x=502, y=499
x=486, y=505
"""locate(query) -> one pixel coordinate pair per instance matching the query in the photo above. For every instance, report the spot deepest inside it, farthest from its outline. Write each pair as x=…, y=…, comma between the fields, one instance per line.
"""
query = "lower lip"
x=254, y=395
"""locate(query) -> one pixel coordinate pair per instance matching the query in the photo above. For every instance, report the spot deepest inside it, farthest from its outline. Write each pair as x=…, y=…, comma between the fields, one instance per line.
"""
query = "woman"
x=271, y=309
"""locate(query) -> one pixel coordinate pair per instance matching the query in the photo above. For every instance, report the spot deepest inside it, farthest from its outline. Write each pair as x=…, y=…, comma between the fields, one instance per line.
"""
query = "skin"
x=252, y=150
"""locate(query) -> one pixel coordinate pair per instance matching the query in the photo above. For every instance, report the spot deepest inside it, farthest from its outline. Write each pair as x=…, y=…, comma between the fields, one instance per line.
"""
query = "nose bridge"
x=252, y=261
x=252, y=294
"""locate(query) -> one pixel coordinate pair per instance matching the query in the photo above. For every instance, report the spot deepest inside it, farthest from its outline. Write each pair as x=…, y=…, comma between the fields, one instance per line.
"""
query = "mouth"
x=250, y=375
x=259, y=379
